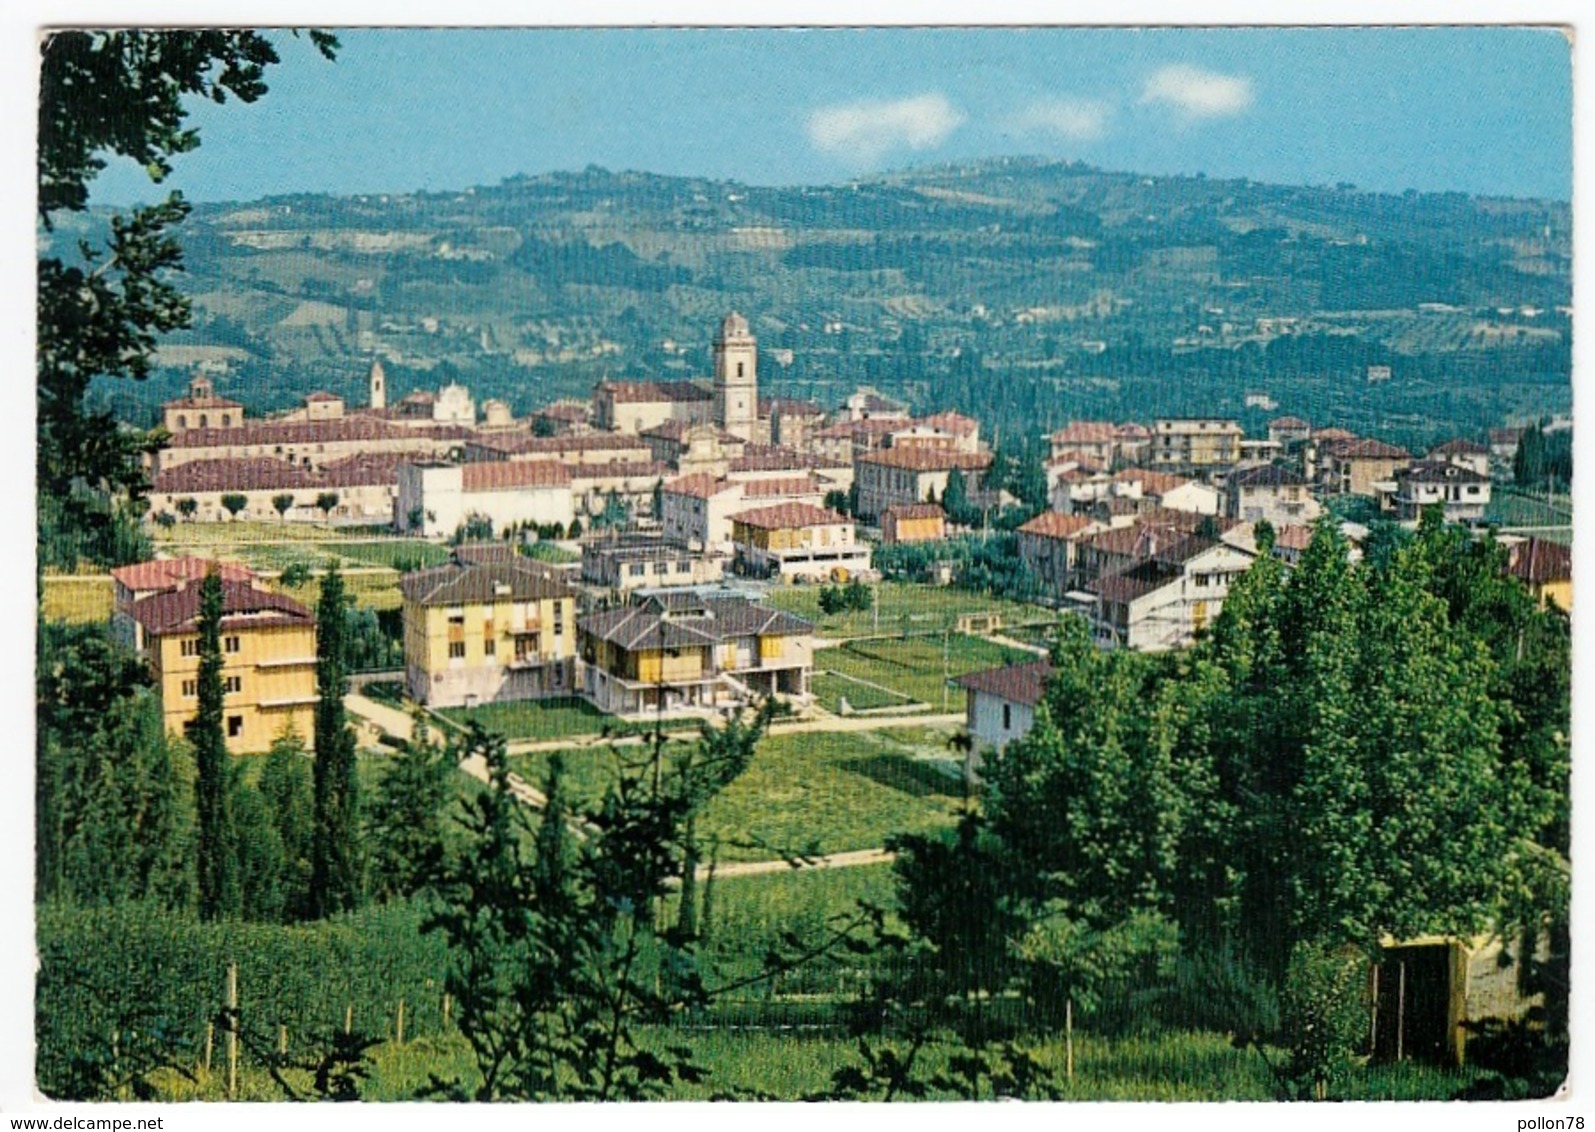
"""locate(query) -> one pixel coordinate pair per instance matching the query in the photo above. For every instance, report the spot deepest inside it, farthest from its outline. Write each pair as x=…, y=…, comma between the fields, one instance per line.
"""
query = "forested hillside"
x=1030, y=291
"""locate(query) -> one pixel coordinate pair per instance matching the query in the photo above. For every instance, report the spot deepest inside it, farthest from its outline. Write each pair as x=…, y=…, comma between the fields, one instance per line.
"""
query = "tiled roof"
x=927, y=459
x=786, y=406
x=780, y=485
x=1328, y=435
x=202, y=403
x=949, y=421
x=903, y=511
x=678, y=430
x=699, y=485
x=687, y=620
x=634, y=392
x=1537, y=561
x=178, y=610
x=1086, y=432
x=473, y=583
x=772, y=458
x=1016, y=683
x=339, y=429
x=1125, y=587
x=1288, y=422
x=1052, y=524
x=1130, y=430
x=1367, y=448
x=362, y=469
x=1459, y=447
x=1293, y=536
x=1152, y=483
x=565, y=411
x=522, y=444
x=1268, y=475
x=1439, y=471
x=786, y=516
x=321, y=395
x=623, y=469
x=267, y=473
x=175, y=573
x=509, y=475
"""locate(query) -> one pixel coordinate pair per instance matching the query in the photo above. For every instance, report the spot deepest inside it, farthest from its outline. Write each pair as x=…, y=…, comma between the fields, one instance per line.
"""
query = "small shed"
x=1430, y=991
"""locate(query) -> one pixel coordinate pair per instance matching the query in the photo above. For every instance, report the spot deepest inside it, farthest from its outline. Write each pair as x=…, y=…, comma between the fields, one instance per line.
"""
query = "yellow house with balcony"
x=488, y=626
x=682, y=652
x=268, y=661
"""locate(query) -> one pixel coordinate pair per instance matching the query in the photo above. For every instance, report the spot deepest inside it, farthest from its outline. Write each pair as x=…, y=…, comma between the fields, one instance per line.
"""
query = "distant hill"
x=1025, y=291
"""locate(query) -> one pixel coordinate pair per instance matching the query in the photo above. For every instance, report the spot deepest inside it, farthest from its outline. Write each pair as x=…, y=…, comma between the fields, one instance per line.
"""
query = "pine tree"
x=335, y=861
x=217, y=864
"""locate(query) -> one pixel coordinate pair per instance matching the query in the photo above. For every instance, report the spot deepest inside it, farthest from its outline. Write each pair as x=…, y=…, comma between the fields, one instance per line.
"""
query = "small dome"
x=734, y=326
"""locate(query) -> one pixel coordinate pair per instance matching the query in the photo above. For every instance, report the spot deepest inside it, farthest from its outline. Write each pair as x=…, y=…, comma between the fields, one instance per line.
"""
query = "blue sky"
x=1485, y=110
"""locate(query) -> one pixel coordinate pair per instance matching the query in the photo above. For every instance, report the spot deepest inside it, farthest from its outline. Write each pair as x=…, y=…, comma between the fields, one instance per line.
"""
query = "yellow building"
x=1195, y=443
x=488, y=626
x=798, y=541
x=268, y=661
x=1546, y=568
x=913, y=522
x=681, y=651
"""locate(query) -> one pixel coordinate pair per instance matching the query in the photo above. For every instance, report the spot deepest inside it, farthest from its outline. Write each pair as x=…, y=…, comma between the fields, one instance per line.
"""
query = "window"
x=190, y=647
x=231, y=644
x=190, y=689
x=634, y=570
x=233, y=684
x=204, y=421
x=235, y=726
x=1007, y=717
x=182, y=421
x=490, y=647
x=456, y=650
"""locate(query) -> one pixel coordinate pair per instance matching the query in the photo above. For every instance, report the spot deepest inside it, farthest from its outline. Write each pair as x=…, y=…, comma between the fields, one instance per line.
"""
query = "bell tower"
x=736, y=381
x=379, y=386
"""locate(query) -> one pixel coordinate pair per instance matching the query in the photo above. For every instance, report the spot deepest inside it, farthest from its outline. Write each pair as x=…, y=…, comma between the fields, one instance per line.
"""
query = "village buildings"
x=798, y=542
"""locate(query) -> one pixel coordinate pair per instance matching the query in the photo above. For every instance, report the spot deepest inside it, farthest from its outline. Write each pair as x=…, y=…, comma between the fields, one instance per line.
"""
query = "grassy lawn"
x=808, y=793
x=544, y=719
x=831, y=690
x=904, y=607
x=912, y=667
x=392, y=554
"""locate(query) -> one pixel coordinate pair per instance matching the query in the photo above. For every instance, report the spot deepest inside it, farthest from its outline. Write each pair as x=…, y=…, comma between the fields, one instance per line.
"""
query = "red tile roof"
x=1017, y=683
x=520, y=444
x=1538, y=561
x=949, y=421
x=250, y=473
x=1288, y=422
x=1051, y=524
x=1367, y=448
x=927, y=459
x=1086, y=432
x=1459, y=447
x=339, y=429
x=786, y=516
x=699, y=485
x=642, y=392
x=781, y=485
x=321, y=395
x=1152, y=483
x=773, y=458
x=242, y=604
x=904, y=511
x=510, y=475
x=175, y=573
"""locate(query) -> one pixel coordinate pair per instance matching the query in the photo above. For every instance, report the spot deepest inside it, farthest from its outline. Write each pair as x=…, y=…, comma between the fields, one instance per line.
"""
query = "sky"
x=1480, y=110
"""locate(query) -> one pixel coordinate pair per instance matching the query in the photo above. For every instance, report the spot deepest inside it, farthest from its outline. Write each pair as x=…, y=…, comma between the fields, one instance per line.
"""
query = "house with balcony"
x=1270, y=492
x=1461, y=492
x=486, y=627
x=684, y=652
x=1168, y=587
x=798, y=542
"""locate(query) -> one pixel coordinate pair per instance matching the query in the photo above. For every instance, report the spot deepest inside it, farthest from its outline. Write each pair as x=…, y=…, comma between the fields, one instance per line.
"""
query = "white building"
x=454, y=406
x=1001, y=702
x=437, y=499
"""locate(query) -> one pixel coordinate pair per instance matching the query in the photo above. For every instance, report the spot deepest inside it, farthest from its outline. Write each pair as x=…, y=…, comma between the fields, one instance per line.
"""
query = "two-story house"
x=684, y=651
x=1463, y=493
x=1270, y=492
x=797, y=541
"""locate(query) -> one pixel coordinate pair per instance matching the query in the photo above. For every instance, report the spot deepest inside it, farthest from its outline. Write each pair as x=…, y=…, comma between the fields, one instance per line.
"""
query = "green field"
x=1509, y=508
x=914, y=668
x=78, y=598
x=904, y=608
x=560, y=718
x=807, y=793
x=831, y=689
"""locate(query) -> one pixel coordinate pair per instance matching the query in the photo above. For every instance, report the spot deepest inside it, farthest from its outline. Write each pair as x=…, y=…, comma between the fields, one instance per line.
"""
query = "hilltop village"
x=686, y=501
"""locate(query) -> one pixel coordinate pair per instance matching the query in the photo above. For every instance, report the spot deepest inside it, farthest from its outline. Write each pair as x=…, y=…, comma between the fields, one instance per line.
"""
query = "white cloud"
x=1078, y=119
x=863, y=131
x=1196, y=93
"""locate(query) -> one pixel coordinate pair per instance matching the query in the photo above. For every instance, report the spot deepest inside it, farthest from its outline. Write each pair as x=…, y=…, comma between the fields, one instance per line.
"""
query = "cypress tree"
x=218, y=877
x=335, y=867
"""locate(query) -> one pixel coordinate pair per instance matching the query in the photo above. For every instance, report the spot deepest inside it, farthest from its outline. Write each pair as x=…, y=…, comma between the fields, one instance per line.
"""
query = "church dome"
x=734, y=326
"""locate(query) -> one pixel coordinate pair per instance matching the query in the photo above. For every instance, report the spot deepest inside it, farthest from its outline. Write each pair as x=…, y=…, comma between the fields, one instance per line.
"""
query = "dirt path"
x=830, y=723
x=852, y=859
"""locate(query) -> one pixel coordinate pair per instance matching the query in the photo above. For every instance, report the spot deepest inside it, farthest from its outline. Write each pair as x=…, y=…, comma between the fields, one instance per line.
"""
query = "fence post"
x=1068, y=1038
x=232, y=1031
x=398, y=1038
x=1401, y=1009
